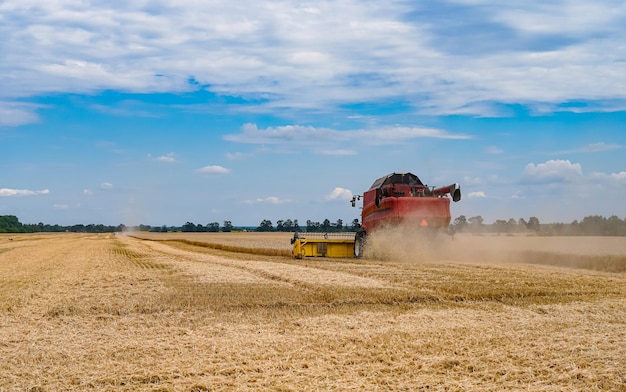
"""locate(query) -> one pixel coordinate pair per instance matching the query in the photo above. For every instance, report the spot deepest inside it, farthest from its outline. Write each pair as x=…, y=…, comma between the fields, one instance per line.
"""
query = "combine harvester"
x=391, y=200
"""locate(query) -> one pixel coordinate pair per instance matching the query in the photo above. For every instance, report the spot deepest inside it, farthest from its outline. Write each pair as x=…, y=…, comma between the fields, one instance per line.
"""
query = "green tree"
x=266, y=225
x=355, y=225
x=228, y=227
x=213, y=227
x=189, y=227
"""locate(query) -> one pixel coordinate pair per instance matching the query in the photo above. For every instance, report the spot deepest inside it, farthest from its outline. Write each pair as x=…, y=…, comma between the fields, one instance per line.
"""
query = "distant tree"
x=355, y=225
x=213, y=227
x=279, y=225
x=326, y=225
x=189, y=227
x=266, y=225
x=339, y=224
x=533, y=224
x=228, y=227
x=511, y=226
x=313, y=226
x=499, y=226
x=296, y=226
x=288, y=225
x=476, y=223
x=460, y=223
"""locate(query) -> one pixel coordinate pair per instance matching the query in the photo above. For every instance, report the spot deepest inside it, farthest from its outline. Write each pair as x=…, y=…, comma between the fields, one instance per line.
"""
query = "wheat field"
x=233, y=311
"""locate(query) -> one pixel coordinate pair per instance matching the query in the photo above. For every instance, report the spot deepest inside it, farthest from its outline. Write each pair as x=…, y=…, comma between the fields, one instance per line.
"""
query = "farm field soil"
x=110, y=312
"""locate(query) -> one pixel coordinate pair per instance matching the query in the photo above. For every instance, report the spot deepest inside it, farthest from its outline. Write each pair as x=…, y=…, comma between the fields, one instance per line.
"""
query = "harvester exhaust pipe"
x=454, y=190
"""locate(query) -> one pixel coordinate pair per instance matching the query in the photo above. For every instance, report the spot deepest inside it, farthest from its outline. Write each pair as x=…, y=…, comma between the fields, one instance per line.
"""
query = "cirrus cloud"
x=9, y=192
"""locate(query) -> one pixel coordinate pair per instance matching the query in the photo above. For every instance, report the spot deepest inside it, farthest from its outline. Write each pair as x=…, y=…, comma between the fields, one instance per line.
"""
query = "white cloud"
x=593, y=148
x=306, y=135
x=610, y=179
x=237, y=155
x=60, y=206
x=338, y=152
x=213, y=169
x=168, y=158
x=339, y=194
x=8, y=192
x=87, y=192
x=552, y=171
x=272, y=200
x=467, y=180
x=106, y=186
x=476, y=195
x=532, y=52
x=601, y=146
x=17, y=113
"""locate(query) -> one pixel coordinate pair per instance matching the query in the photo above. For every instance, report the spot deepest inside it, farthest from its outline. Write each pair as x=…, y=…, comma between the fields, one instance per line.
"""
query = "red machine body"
x=403, y=198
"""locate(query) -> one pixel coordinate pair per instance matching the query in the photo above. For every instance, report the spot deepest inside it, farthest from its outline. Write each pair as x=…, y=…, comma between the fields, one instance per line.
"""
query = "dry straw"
x=103, y=313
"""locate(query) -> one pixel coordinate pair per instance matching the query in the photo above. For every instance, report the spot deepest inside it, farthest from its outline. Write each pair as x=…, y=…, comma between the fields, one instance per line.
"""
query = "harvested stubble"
x=84, y=312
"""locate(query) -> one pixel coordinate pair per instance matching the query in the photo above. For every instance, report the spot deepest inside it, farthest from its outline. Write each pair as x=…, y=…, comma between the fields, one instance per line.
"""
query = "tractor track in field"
x=308, y=277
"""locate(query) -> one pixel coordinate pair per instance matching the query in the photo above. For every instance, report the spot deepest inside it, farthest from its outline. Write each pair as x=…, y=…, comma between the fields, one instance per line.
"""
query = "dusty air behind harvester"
x=391, y=200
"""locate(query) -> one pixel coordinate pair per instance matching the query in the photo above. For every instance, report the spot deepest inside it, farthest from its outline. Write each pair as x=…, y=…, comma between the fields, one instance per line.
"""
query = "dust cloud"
x=411, y=244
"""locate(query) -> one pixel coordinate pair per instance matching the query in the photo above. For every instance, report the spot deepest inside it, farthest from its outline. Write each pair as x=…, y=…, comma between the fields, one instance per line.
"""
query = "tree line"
x=11, y=224
x=326, y=226
x=593, y=225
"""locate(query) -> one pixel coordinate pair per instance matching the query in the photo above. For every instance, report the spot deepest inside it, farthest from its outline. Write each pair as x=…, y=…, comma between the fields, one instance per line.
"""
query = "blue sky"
x=162, y=112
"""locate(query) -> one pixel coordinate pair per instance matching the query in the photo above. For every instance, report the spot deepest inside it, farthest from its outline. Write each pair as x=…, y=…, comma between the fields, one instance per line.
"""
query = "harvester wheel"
x=359, y=244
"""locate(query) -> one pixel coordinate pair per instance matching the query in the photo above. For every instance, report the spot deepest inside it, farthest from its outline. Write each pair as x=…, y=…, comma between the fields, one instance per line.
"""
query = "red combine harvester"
x=391, y=200
x=403, y=198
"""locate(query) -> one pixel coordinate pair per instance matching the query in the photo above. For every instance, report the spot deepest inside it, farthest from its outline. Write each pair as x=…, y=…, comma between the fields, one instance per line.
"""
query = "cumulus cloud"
x=552, y=171
x=87, y=192
x=213, y=169
x=339, y=194
x=106, y=186
x=9, y=192
x=476, y=195
x=60, y=206
x=609, y=179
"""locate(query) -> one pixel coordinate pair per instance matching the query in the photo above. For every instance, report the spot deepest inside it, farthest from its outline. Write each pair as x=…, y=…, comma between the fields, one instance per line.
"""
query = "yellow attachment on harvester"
x=323, y=245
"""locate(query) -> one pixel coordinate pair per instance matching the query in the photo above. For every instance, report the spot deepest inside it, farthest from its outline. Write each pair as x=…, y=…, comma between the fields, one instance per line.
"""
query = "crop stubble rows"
x=117, y=313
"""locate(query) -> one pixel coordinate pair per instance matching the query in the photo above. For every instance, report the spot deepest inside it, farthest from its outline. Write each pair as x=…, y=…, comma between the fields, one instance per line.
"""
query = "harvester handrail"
x=344, y=235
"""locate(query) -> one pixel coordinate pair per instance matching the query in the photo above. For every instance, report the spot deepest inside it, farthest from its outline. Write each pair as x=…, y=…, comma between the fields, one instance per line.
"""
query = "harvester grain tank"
x=397, y=198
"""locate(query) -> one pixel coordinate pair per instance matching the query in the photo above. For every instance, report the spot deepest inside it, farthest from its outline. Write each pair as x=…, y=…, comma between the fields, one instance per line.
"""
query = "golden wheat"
x=104, y=312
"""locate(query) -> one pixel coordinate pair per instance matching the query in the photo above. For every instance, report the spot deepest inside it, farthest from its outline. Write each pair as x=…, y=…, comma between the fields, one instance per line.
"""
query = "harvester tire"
x=359, y=244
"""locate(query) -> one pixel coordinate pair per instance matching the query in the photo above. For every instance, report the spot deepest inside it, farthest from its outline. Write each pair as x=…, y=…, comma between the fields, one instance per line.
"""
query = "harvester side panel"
x=323, y=245
x=421, y=211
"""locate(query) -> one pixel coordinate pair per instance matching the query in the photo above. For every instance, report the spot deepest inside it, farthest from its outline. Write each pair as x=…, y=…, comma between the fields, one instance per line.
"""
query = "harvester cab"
x=397, y=198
